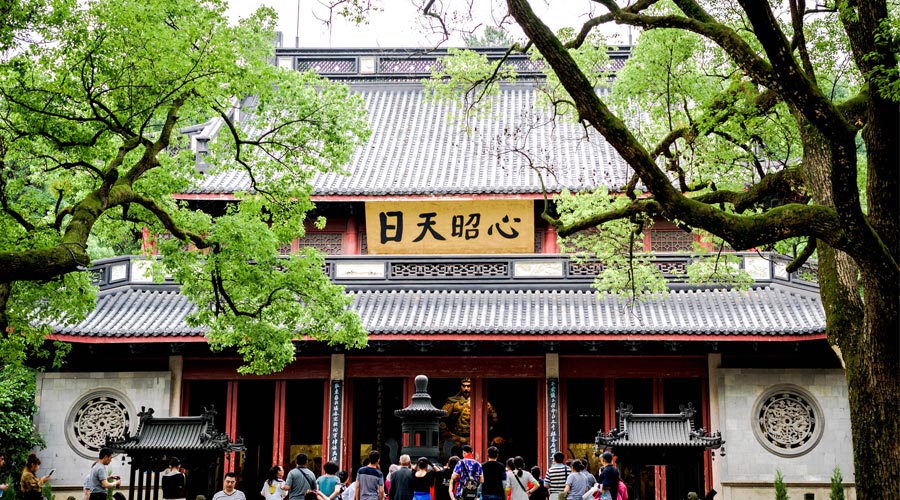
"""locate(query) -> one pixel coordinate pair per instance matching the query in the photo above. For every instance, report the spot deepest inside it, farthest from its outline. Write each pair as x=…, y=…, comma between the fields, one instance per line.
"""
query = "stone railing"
x=433, y=271
x=400, y=64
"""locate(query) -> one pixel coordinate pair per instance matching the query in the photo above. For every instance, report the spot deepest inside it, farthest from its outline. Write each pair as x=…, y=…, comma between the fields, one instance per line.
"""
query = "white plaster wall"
x=748, y=465
x=56, y=395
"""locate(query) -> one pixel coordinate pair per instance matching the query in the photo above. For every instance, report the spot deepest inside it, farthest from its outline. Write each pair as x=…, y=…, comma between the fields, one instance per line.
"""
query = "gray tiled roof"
x=151, y=311
x=765, y=311
x=670, y=430
x=417, y=149
x=175, y=433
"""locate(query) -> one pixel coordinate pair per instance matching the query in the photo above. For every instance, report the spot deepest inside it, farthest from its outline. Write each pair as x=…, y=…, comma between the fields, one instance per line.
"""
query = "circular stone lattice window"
x=787, y=420
x=98, y=414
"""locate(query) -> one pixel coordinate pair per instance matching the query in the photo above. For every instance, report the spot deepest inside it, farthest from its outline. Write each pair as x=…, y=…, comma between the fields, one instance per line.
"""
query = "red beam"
x=612, y=337
x=447, y=367
x=361, y=198
x=523, y=337
x=632, y=366
x=226, y=369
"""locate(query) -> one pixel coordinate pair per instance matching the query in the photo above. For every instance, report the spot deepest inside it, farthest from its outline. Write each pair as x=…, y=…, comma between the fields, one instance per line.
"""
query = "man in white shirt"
x=230, y=491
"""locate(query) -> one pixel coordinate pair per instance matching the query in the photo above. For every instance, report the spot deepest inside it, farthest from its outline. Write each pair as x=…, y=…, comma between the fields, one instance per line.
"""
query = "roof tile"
x=765, y=311
x=419, y=148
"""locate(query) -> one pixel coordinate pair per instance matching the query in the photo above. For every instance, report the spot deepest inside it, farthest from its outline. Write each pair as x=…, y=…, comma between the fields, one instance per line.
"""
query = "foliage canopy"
x=91, y=151
x=763, y=124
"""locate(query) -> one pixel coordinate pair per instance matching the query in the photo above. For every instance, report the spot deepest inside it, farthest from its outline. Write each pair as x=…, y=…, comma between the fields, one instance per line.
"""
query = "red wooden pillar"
x=278, y=435
x=478, y=422
x=705, y=423
x=350, y=457
x=231, y=404
x=350, y=241
x=658, y=408
x=610, y=419
x=326, y=419
x=563, y=419
x=185, y=398
x=542, y=423
x=550, y=245
x=147, y=243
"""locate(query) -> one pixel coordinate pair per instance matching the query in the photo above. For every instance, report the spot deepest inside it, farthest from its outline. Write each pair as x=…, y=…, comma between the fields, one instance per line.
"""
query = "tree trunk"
x=873, y=367
x=865, y=327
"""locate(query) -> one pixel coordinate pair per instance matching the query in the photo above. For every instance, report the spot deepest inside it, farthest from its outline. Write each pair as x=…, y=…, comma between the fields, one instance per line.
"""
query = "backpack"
x=623, y=490
x=470, y=485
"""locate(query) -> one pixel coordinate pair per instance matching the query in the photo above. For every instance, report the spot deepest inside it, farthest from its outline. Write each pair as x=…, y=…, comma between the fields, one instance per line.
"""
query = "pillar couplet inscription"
x=335, y=421
x=553, y=415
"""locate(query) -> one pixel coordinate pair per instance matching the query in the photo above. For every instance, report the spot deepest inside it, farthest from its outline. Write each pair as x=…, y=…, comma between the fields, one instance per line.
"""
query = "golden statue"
x=456, y=426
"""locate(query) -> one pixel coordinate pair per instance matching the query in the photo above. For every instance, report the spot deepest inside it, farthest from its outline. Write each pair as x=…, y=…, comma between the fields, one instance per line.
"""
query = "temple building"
x=439, y=240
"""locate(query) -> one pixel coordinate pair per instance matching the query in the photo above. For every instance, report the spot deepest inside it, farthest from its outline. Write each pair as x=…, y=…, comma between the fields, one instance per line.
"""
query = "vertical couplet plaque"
x=553, y=415
x=335, y=423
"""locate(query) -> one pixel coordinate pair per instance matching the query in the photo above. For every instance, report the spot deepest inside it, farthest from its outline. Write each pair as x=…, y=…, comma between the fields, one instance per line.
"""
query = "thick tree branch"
x=855, y=109
x=803, y=256
x=782, y=74
x=638, y=207
x=798, y=42
x=796, y=88
x=774, y=189
x=740, y=231
x=169, y=223
x=60, y=215
x=165, y=135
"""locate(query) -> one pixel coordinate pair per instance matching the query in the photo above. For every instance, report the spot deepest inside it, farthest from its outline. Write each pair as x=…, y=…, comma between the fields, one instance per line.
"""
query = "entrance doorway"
x=304, y=422
x=669, y=472
x=514, y=432
x=374, y=425
x=255, y=414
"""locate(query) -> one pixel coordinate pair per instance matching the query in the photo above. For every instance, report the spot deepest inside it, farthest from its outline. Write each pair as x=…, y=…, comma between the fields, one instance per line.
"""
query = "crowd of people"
x=460, y=478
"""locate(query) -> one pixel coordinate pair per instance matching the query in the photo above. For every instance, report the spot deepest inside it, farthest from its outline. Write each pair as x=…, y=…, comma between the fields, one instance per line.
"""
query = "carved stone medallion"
x=96, y=416
x=787, y=421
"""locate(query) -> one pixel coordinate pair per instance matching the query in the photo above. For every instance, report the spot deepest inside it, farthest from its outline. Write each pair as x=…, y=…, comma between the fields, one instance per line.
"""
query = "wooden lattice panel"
x=448, y=270
x=672, y=267
x=585, y=269
x=328, y=66
x=671, y=241
x=327, y=243
x=409, y=65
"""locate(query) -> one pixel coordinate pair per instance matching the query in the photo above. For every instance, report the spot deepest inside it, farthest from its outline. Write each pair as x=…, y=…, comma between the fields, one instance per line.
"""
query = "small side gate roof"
x=175, y=435
x=658, y=430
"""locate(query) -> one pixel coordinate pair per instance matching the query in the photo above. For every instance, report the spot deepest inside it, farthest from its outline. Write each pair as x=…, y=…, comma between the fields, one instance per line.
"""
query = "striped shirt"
x=556, y=478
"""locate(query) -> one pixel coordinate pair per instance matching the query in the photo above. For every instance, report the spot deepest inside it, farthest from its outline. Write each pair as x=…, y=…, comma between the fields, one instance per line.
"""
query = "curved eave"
x=642, y=337
x=622, y=443
x=381, y=197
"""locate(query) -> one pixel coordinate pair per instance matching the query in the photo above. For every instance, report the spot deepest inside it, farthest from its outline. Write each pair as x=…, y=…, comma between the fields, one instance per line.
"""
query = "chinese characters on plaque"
x=450, y=227
x=334, y=424
x=553, y=415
